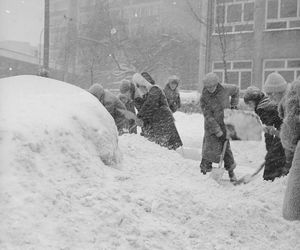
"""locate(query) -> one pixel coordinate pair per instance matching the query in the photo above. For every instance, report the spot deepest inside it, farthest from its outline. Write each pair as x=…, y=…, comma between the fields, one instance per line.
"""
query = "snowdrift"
x=57, y=193
x=34, y=110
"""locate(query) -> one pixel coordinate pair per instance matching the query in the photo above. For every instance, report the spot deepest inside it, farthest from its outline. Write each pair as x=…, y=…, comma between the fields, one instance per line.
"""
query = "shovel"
x=249, y=177
x=218, y=172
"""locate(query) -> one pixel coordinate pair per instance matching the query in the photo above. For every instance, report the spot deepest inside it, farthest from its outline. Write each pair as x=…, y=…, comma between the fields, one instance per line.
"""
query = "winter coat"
x=275, y=159
x=173, y=97
x=156, y=114
x=290, y=129
x=131, y=124
x=112, y=104
x=213, y=105
x=290, y=135
x=291, y=202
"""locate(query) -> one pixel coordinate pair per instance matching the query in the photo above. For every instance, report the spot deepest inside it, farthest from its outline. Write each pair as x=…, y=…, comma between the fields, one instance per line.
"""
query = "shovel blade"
x=217, y=173
x=244, y=180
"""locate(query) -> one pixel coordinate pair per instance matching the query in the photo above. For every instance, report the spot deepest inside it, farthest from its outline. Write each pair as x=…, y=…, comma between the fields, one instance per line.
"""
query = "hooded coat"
x=112, y=104
x=173, y=96
x=155, y=112
x=290, y=134
x=213, y=105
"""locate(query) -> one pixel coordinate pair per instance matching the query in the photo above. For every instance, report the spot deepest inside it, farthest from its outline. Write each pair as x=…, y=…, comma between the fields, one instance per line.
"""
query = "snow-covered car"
x=52, y=119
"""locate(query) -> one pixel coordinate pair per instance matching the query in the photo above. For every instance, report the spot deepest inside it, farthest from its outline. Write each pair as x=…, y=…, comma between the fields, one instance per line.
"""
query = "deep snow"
x=58, y=194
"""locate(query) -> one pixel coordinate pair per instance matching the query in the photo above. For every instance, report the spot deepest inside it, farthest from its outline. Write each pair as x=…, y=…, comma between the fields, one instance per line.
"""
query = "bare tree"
x=215, y=23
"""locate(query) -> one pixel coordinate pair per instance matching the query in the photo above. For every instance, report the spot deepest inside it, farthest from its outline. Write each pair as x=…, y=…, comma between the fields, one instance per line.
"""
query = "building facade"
x=256, y=38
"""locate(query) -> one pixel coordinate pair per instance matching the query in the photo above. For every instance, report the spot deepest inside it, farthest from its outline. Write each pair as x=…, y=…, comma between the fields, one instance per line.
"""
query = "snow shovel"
x=249, y=177
x=218, y=172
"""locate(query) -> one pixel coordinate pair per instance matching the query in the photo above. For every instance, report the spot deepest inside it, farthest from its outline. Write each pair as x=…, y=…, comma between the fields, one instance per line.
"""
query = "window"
x=282, y=14
x=238, y=72
x=288, y=68
x=234, y=16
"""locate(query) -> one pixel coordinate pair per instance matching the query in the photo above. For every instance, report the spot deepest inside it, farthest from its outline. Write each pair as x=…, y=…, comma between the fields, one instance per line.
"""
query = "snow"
x=56, y=193
x=189, y=96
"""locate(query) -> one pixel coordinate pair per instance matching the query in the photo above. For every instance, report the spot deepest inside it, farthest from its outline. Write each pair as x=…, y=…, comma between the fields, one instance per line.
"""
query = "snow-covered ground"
x=189, y=96
x=58, y=194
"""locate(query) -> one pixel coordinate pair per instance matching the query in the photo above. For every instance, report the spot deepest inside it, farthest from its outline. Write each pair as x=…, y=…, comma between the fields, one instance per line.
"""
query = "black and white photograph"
x=149, y=124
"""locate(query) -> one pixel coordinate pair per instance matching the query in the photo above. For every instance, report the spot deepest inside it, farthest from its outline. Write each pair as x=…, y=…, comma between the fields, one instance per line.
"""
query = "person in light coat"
x=290, y=137
x=214, y=99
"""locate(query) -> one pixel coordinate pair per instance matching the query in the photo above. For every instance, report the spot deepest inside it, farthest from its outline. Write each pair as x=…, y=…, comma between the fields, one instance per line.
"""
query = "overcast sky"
x=21, y=20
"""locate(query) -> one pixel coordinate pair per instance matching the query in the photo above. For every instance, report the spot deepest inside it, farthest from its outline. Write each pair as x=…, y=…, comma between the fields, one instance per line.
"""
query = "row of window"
x=238, y=15
x=240, y=72
x=135, y=12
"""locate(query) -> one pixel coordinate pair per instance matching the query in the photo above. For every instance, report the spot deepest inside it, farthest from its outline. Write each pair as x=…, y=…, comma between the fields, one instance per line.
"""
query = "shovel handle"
x=223, y=153
x=259, y=169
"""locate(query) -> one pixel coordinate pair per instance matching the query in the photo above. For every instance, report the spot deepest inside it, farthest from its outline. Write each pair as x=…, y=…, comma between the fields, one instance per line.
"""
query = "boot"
x=205, y=170
x=232, y=176
x=205, y=166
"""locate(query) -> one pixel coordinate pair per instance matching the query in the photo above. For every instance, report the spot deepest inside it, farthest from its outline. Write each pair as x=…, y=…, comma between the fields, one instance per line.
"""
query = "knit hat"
x=97, y=90
x=147, y=76
x=122, y=98
x=275, y=83
x=211, y=80
x=253, y=93
x=173, y=78
x=125, y=86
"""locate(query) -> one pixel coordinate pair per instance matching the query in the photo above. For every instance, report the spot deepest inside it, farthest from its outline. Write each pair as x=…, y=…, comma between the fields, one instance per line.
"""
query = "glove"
x=221, y=136
x=271, y=130
x=139, y=122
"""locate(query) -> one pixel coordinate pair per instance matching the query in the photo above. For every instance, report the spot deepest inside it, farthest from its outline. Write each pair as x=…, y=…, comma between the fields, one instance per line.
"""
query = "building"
x=69, y=21
x=260, y=37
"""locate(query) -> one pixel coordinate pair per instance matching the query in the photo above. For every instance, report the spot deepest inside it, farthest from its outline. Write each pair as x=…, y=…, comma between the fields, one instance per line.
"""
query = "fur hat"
x=147, y=76
x=275, y=83
x=97, y=90
x=253, y=93
x=210, y=80
x=125, y=86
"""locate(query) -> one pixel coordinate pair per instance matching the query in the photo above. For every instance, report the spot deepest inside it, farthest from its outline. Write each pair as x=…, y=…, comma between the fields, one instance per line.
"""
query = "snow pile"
x=37, y=110
x=56, y=193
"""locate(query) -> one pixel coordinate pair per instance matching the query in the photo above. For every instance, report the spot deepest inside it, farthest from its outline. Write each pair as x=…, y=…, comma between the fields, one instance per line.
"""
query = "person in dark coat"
x=112, y=104
x=129, y=104
x=172, y=93
x=155, y=112
x=214, y=99
x=275, y=160
x=290, y=136
x=276, y=89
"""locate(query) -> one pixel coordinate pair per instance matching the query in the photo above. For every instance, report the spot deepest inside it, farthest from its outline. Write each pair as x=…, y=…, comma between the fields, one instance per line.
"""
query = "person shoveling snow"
x=275, y=160
x=214, y=99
